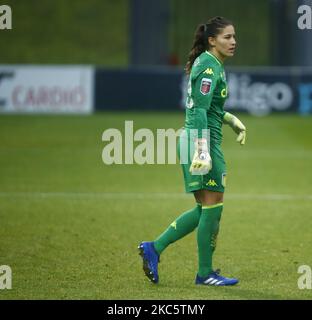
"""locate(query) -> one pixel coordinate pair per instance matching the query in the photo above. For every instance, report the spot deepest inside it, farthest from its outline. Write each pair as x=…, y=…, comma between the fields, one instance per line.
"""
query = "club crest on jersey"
x=205, y=86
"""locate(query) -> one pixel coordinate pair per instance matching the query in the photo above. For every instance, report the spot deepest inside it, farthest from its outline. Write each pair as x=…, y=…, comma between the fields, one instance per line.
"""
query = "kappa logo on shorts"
x=205, y=86
x=211, y=183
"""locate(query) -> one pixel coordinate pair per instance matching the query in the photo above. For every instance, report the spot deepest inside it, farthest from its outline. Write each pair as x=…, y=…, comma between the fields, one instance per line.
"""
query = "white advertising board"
x=46, y=89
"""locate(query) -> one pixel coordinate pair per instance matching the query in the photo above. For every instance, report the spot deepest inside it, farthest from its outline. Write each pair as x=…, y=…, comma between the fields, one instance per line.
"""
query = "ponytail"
x=200, y=44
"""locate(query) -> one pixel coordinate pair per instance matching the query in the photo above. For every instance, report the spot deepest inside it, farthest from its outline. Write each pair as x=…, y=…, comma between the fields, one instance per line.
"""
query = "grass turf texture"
x=70, y=225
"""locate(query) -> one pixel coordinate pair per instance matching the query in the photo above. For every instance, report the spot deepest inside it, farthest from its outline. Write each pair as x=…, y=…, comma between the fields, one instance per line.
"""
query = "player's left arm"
x=237, y=126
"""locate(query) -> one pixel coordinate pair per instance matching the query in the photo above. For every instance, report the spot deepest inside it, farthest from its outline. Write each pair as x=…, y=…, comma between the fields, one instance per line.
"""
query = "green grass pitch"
x=70, y=225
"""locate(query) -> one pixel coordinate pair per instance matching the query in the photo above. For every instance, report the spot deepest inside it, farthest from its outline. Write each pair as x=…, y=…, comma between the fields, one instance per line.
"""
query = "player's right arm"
x=203, y=82
x=201, y=163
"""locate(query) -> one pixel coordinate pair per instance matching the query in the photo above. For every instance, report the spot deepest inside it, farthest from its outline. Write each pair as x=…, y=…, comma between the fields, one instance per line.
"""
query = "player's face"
x=224, y=43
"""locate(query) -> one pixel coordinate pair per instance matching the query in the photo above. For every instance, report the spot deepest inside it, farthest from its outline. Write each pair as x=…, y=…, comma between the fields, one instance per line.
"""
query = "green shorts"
x=215, y=180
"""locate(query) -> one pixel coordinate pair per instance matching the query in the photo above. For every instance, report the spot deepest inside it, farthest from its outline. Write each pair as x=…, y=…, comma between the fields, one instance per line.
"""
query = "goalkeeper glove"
x=237, y=126
x=201, y=163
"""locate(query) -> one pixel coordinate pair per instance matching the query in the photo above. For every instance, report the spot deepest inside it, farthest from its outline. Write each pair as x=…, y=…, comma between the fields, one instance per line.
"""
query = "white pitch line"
x=143, y=195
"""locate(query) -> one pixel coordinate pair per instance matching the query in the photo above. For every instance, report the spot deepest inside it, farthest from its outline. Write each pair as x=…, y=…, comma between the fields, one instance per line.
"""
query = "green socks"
x=179, y=228
x=207, y=232
x=207, y=220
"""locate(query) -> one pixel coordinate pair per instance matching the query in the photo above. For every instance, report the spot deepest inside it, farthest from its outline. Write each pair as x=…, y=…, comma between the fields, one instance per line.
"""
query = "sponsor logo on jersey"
x=224, y=93
x=208, y=71
x=205, y=86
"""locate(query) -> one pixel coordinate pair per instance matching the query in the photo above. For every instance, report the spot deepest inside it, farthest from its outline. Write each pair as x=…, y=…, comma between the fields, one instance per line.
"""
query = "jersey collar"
x=210, y=54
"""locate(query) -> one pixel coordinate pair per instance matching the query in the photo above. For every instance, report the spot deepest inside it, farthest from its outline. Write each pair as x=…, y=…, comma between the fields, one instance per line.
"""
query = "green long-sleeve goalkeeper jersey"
x=207, y=92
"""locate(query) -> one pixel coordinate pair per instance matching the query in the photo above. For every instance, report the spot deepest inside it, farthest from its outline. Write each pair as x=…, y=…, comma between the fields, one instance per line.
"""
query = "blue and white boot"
x=150, y=260
x=214, y=279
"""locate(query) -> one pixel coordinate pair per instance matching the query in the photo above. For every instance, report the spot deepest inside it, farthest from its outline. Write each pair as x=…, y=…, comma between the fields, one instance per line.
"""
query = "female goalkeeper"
x=205, y=171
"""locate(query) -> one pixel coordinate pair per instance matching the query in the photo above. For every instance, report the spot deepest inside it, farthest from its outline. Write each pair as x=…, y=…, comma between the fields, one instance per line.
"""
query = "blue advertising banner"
x=258, y=91
x=138, y=89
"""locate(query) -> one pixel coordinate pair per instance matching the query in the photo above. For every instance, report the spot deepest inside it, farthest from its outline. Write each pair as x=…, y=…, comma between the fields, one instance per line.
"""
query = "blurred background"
x=70, y=224
x=142, y=46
